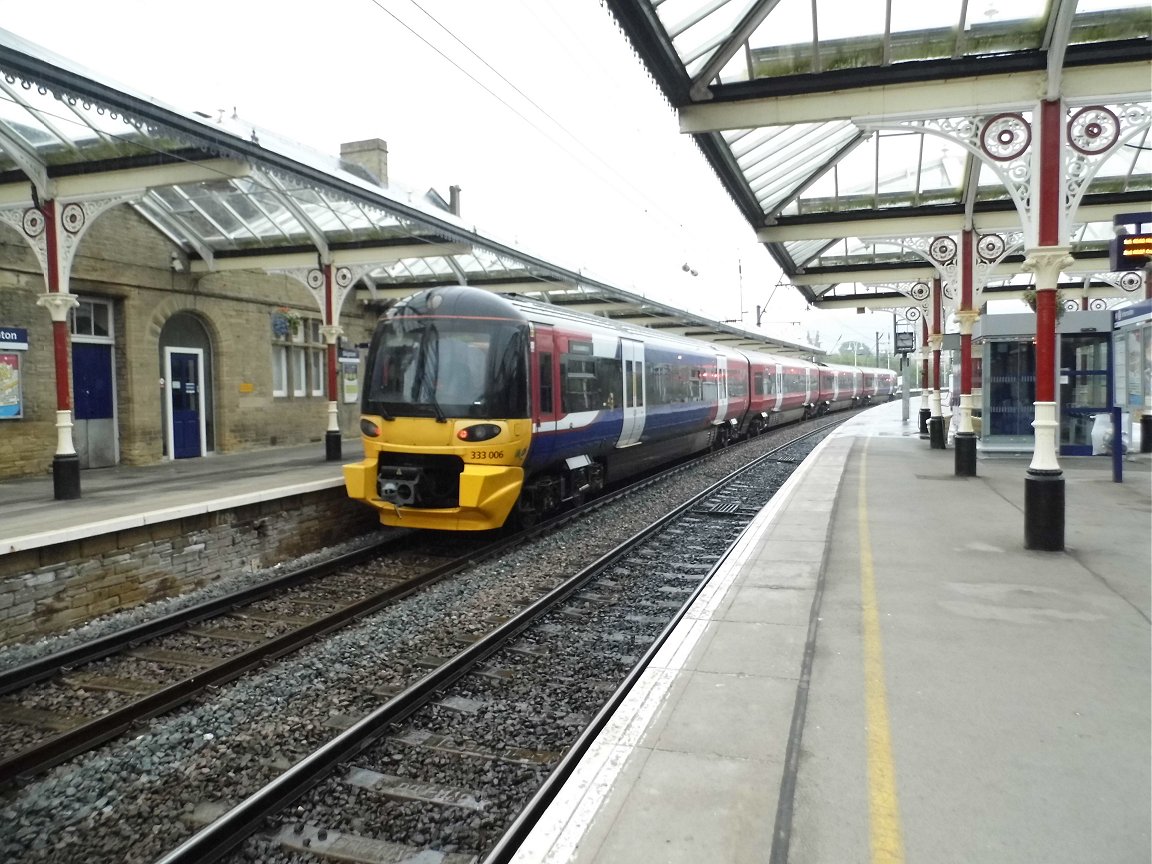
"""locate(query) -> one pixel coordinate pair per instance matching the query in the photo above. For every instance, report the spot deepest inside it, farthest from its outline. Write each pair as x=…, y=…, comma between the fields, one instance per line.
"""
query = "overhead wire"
x=638, y=196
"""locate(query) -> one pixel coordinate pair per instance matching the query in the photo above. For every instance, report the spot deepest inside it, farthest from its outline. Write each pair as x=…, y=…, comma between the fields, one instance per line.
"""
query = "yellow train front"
x=444, y=416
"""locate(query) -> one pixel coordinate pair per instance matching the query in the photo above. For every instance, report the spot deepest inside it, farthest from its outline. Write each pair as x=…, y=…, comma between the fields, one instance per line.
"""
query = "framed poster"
x=349, y=374
x=11, y=387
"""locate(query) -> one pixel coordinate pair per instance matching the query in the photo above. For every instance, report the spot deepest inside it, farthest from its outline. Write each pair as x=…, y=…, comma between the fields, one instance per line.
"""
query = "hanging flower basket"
x=1030, y=299
x=285, y=322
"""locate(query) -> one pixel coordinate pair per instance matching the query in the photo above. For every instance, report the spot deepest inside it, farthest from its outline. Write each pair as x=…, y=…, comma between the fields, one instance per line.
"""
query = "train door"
x=545, y=390
x=185, y=402
x=721, y=387
x=778, y=371
x=632, y=361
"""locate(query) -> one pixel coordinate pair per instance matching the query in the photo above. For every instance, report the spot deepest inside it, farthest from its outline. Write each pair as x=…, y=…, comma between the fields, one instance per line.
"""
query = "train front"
x=444, y=416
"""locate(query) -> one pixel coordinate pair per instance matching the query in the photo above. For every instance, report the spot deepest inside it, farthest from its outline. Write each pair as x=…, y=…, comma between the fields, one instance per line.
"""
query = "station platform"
x=881, y=672
x=121, y=497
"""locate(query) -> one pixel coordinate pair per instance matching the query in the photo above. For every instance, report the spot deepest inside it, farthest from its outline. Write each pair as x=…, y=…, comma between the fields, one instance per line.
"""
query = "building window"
x=279, y=370
x=316, y=373
x=91, y=318
x=296, y=371
x=298, y=355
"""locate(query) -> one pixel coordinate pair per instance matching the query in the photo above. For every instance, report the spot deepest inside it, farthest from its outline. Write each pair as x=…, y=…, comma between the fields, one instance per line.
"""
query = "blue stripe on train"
x=660, y=423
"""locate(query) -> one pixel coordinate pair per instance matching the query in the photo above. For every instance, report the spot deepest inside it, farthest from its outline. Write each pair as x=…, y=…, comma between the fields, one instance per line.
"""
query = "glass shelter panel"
x=1083, y=389
x=1010, y=388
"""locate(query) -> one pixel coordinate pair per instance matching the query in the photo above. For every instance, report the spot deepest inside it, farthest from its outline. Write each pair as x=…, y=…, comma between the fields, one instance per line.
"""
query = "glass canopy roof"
x=222, y=189
x=826, y=120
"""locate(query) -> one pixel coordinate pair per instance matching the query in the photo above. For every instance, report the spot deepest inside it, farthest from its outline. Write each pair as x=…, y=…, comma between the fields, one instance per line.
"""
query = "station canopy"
x=230, y=196
x=848, y=131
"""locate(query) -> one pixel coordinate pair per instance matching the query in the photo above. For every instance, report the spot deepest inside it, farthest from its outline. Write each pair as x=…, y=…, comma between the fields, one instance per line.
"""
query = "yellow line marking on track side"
x=883, y=807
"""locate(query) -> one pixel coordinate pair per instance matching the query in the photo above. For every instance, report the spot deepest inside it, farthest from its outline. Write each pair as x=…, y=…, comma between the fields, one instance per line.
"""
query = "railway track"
x=460, y=763
x=129, y=676
x=66, y=703
x=398, y=653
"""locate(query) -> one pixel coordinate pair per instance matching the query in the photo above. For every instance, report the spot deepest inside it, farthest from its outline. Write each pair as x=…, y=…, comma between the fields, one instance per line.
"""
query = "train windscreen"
x=423, y=366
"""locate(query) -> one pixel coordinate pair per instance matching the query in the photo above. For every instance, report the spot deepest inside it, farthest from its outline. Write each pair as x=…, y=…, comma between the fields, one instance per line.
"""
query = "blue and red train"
x=479, y=407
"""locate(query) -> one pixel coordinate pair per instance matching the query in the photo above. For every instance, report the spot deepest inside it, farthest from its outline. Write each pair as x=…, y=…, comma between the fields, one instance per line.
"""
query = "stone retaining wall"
x=54, y=588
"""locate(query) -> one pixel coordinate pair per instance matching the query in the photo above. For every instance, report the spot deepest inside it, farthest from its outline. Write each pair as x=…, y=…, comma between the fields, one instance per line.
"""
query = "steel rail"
x=79, y=739
x=225, y=833
x=52, y=664
x=518, y=831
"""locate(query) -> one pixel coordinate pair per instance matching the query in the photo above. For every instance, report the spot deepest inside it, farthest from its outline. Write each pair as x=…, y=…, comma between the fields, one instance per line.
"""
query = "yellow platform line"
x=883, y=806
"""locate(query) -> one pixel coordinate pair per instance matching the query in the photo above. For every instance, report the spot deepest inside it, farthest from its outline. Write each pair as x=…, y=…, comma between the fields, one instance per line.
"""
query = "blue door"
x=184, y=386
x=94, y=433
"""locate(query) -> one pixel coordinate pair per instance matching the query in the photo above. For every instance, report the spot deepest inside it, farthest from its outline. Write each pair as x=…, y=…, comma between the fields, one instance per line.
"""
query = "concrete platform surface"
x=880, y=672
x=112, y=499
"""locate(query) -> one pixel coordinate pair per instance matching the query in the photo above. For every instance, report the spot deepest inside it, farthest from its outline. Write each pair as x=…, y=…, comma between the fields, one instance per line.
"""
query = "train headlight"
x=368, y=428
x=479, y=432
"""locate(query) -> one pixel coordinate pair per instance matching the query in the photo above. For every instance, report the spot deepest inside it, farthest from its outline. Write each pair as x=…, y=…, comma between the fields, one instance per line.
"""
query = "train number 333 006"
x=487, y=454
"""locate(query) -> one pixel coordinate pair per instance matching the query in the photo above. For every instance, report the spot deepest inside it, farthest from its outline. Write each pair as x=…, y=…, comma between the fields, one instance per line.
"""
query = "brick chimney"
x=371, y=155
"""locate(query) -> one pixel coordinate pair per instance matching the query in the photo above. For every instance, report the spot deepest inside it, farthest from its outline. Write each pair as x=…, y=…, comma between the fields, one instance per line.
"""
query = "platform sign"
x=1131, y=248
x=905, y=342
x=11, y=387
x=13, y=339
x=1130, y=252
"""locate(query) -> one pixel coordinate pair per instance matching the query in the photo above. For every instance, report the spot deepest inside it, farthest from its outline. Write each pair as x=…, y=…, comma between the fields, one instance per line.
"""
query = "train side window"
x=657, y=375
x=738, y=383
x=581, y=390
x=610, y=383
x=546, y=382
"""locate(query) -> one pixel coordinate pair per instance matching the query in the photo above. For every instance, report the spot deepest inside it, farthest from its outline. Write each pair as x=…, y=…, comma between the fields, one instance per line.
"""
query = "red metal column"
x=936, y=435
x=65, y=463
x=1044, y=484
x=332, y=447
x=965, y=438
x=925, y=411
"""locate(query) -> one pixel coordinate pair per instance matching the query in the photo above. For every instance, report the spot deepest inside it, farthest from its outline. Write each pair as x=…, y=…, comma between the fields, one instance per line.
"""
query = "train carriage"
x=479, y=407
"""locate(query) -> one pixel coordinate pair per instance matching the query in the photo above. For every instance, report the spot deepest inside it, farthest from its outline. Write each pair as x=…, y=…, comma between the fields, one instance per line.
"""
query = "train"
x=482, y=409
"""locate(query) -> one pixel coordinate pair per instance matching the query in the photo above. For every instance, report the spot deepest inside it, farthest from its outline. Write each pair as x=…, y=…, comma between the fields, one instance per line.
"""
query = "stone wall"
x=55, y=588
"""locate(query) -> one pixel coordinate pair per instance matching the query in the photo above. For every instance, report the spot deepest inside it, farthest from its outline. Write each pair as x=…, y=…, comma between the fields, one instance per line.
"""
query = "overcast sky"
x=538, y=109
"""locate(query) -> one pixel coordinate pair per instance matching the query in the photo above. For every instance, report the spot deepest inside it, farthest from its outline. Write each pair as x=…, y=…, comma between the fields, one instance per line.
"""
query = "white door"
x=185, y=403
x=632, y=361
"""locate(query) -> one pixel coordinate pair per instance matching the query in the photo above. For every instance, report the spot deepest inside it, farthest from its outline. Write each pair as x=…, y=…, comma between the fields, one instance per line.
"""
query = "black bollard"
x=965, y=444
x=332, y=446
x=936, y=433
x=1044, y=511
x=66, y=477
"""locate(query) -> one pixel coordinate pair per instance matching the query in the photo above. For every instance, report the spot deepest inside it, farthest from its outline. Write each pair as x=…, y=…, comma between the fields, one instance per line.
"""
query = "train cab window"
x=447, y=367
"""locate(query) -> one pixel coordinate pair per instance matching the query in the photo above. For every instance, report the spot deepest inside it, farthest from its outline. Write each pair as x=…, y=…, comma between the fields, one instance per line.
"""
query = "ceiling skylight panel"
x=790, y=23
x=834, y=21
x=898, y=163
x=791, y=171
x=912, y=15
x=783, y=43
x=748, y=140
x=1003, y=26
x=781, y=148
x=802, y=251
